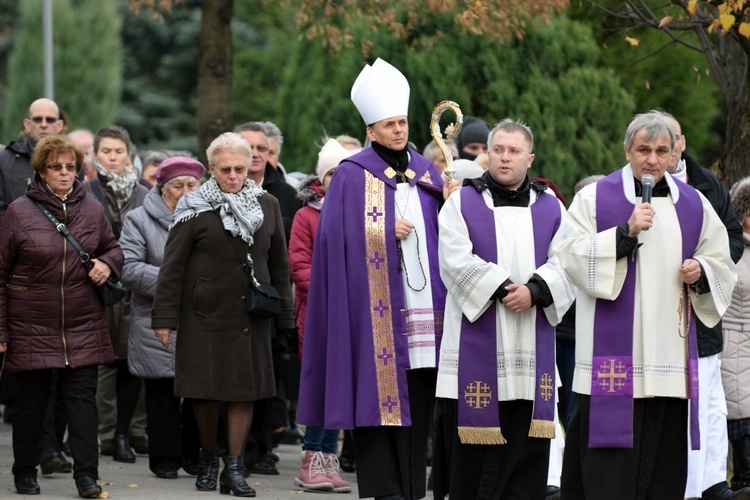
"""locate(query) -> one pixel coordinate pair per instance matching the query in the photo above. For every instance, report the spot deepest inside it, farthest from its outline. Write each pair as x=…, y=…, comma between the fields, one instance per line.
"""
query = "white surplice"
x=589, y=257
x=471, y=282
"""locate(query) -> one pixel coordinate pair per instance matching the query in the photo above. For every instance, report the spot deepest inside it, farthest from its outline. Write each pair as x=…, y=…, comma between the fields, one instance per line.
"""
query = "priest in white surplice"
x=506, y=291
x=644, y=271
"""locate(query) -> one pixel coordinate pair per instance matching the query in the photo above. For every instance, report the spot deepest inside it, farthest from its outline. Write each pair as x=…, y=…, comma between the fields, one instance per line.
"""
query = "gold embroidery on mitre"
x=390, y=172
x=545, y=387
x=478, y=395
x=410, y=173
x=384, y=348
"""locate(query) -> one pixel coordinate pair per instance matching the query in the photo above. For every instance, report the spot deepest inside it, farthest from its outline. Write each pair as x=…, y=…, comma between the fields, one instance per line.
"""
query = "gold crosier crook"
x=450, y=131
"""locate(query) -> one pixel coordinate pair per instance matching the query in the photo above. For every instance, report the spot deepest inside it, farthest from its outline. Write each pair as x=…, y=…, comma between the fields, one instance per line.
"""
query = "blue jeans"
x=317, y=438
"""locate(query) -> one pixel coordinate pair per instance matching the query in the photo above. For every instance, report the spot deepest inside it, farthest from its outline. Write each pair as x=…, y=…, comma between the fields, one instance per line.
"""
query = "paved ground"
x=134, y=481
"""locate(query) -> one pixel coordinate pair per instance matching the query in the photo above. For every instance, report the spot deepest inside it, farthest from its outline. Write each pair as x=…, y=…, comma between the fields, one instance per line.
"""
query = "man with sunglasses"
x=15, y=160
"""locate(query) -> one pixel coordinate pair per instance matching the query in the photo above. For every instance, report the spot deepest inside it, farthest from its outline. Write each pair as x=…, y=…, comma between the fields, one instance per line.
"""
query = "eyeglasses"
x=48, y=119
x=238, y=169
x=70, y=167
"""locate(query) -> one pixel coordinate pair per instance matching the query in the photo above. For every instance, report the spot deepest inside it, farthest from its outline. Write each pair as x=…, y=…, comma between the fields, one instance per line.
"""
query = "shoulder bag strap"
x=62, y=229
x=239, y=251
x=96, y=187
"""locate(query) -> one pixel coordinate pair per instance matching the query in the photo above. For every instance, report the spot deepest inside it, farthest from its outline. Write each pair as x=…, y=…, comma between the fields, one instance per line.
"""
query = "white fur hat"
x=380, y=91
x=330, y=156
x=467, y=169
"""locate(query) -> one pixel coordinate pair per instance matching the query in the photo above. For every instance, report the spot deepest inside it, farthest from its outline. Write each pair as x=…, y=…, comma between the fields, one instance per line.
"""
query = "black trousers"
x=78, y=392
x=56, y=420
x=393, y=460
x=164, y=423
x=655, y=468
x=516, y=470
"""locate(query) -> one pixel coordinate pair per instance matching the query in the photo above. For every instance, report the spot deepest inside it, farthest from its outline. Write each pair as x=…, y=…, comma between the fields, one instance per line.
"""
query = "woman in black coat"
x=223, y=235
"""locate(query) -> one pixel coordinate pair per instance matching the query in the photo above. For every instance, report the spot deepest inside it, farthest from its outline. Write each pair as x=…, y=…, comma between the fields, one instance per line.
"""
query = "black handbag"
x=111, y=292
x=263, y=300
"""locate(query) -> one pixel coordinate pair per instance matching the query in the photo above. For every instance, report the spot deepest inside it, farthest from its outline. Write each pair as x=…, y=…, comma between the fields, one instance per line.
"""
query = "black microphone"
x=648, y=187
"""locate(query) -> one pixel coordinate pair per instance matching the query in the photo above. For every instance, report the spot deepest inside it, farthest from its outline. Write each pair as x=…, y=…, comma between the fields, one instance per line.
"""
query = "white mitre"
x=380, y=91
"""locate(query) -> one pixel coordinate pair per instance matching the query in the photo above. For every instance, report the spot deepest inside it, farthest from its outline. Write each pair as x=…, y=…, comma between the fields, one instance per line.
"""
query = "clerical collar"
x=399, y=160
x=504, y=197
x=661, y=189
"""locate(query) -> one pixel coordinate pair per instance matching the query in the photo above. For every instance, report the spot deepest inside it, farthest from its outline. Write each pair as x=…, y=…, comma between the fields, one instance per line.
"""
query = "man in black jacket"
x=15, y=160
x=707, y=466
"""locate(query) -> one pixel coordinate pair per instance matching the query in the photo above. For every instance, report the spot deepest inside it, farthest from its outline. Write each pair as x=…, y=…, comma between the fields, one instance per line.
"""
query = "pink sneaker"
x=331, y=465
x=312, y=472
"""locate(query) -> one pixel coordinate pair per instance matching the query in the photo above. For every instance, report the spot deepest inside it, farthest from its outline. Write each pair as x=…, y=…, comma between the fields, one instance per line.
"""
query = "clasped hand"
x=518, y=299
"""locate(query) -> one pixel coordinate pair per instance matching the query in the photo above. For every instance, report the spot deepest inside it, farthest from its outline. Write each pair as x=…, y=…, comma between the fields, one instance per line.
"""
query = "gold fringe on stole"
x=481, y=435
x=542, y=429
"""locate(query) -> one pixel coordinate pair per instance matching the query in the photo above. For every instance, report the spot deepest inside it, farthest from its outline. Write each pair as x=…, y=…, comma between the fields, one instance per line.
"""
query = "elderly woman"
x=222, y=235
x=735, y=358
x=144, y=236
x=117, y=189
x=51, y=318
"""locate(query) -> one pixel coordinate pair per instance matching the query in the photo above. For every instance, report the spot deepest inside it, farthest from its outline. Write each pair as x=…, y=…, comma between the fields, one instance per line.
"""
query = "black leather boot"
x=87, y=487
x=123, y=452
x=741, y=462
x=26, y=485
x=721, y=491
x=346, y=460
x=50, y=461
x=233, y=478
x=208, y=471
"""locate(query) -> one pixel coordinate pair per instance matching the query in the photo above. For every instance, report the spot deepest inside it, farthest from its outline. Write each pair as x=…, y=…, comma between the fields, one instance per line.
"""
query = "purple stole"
x=611, y=412
x=478, y=419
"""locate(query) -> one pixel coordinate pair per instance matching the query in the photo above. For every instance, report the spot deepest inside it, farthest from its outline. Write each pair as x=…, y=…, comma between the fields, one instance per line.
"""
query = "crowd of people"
x=424, y=317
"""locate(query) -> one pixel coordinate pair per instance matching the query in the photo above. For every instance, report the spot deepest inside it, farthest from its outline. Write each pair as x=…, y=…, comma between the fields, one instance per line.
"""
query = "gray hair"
x=181, y=178
x=654, y=123
x=273, y=131
x=229, y=141
x=251, y=127
x=432, y=149
x=153, y=157
x=586, y=181
x=511, y=126
x=347, y=139
x=740, y=196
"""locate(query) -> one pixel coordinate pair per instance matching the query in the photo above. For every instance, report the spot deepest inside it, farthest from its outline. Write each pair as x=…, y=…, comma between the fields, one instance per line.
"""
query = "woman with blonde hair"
x=225, y=239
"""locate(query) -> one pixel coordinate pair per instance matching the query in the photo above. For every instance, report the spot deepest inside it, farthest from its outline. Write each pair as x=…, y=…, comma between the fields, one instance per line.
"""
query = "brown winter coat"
x=223, y=353
x=50, y=313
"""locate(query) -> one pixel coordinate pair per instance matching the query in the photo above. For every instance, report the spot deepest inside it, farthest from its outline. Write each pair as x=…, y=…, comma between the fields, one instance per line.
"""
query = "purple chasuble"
x=478, y=419
x=355, y=353
x=611, y=412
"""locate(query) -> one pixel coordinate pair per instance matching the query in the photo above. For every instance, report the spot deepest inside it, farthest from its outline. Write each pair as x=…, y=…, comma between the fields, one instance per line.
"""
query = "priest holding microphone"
x=648, y=256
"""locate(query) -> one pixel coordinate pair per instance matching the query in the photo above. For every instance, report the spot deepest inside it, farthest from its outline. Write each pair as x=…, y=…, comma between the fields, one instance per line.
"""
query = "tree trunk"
x=735, y=162
x=214, y=71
